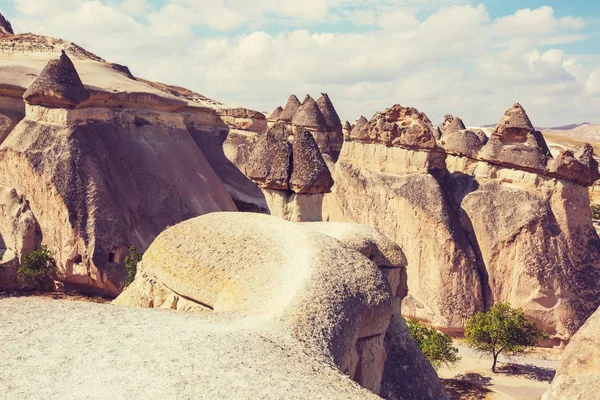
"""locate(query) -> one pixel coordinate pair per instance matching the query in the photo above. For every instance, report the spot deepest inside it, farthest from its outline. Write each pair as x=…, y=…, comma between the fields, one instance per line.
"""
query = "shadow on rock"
x=463, y=388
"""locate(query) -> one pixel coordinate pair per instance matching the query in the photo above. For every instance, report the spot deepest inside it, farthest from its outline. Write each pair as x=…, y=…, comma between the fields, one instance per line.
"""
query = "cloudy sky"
x=470, y=59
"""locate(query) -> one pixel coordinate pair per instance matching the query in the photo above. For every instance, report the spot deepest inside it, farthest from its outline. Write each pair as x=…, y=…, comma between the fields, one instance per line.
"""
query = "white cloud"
x=457, y=60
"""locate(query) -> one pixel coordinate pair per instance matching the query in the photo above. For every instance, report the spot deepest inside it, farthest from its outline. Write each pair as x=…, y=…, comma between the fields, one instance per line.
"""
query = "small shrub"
x=36, y=269
x=436, y=346
x=131, y=262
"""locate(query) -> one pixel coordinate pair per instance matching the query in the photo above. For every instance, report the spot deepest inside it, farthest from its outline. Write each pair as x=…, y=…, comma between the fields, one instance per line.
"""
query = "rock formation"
x=89, y=171
x=5, y=27
x=309, y=115
x=58, y=85
x=332, y=287
x=578, y=373
x=359, y=132
x=347, y=128
x=472, y=217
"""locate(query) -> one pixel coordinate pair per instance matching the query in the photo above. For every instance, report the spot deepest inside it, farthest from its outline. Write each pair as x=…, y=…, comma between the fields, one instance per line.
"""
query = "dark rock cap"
x=309, y=170
x=309, y=115
x=332, y=119
x=269, y=162
x=580, y=168
x=276, y=114
x=58, y=85
x=290, y=109
x=515, y=126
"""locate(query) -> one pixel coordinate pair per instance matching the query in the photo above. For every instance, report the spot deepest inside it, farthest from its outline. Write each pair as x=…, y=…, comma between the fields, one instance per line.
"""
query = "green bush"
x=436, y=346
x=36, y=269
x=502, y=329
x=131, y=262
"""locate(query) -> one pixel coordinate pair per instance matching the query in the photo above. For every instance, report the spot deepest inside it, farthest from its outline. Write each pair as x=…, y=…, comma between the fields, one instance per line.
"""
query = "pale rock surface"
x=578, y=373
x=261, y=271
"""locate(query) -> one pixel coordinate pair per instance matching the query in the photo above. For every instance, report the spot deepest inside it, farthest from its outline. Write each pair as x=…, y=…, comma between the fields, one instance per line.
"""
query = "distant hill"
x=584, y=132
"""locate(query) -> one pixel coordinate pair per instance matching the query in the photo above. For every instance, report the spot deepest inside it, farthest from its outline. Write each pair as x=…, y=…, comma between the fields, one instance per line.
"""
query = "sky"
x=472, y=59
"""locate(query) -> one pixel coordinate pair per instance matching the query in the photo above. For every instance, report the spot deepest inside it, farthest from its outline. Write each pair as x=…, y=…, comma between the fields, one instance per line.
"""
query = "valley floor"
x=518, y=378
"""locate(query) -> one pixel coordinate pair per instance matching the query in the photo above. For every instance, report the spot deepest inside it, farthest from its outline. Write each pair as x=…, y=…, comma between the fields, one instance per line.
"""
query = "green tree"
x=502, y=329
x=436, y=346
x=36, y=269
x=131, y=262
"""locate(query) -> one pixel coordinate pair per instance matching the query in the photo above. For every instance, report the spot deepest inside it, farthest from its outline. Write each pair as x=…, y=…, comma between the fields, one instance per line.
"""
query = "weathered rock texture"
x=58, y=85
x=331, y=287
x=270, y=162
x=290, y=109
x=578, y=373
x=477, y=226
x=309, y=171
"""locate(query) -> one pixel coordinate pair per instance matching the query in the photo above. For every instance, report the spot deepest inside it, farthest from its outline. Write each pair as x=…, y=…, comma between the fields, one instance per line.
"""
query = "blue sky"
x=471, y=59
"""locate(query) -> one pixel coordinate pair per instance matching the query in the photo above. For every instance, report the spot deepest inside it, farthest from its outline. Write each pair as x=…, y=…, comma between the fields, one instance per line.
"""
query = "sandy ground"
x=522, y=378
x=59, y=349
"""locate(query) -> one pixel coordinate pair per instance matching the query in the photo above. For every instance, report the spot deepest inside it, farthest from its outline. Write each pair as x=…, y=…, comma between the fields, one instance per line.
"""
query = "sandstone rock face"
x=578, y=373
x=463, y=142
x=97, y=182
x=288, y=278
x=332, y=119
x=244, y=119
x=58, y=85
x=581, y=168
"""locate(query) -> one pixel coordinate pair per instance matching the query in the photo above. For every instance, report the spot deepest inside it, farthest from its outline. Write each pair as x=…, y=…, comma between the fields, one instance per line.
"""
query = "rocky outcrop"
x=331, y=287
x=347, y=128
x=5, y=26
x=58, y=85
x=578, y=373
x=397, y=126
x=581, y=168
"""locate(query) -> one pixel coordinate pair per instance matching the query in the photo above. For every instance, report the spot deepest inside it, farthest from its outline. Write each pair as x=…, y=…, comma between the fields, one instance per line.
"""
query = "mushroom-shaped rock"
x=332, y=119
x=578, y=372
x=516, y=143
x=58, y=85
x=309, y=115
x=269, y=162
x=461, y=142
x=581, y=168
x=452, y=124
x=360, y=131
x=290, y=109
x=402, y=127
x=5, y=26
x=309, y=170
x=276, y=114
